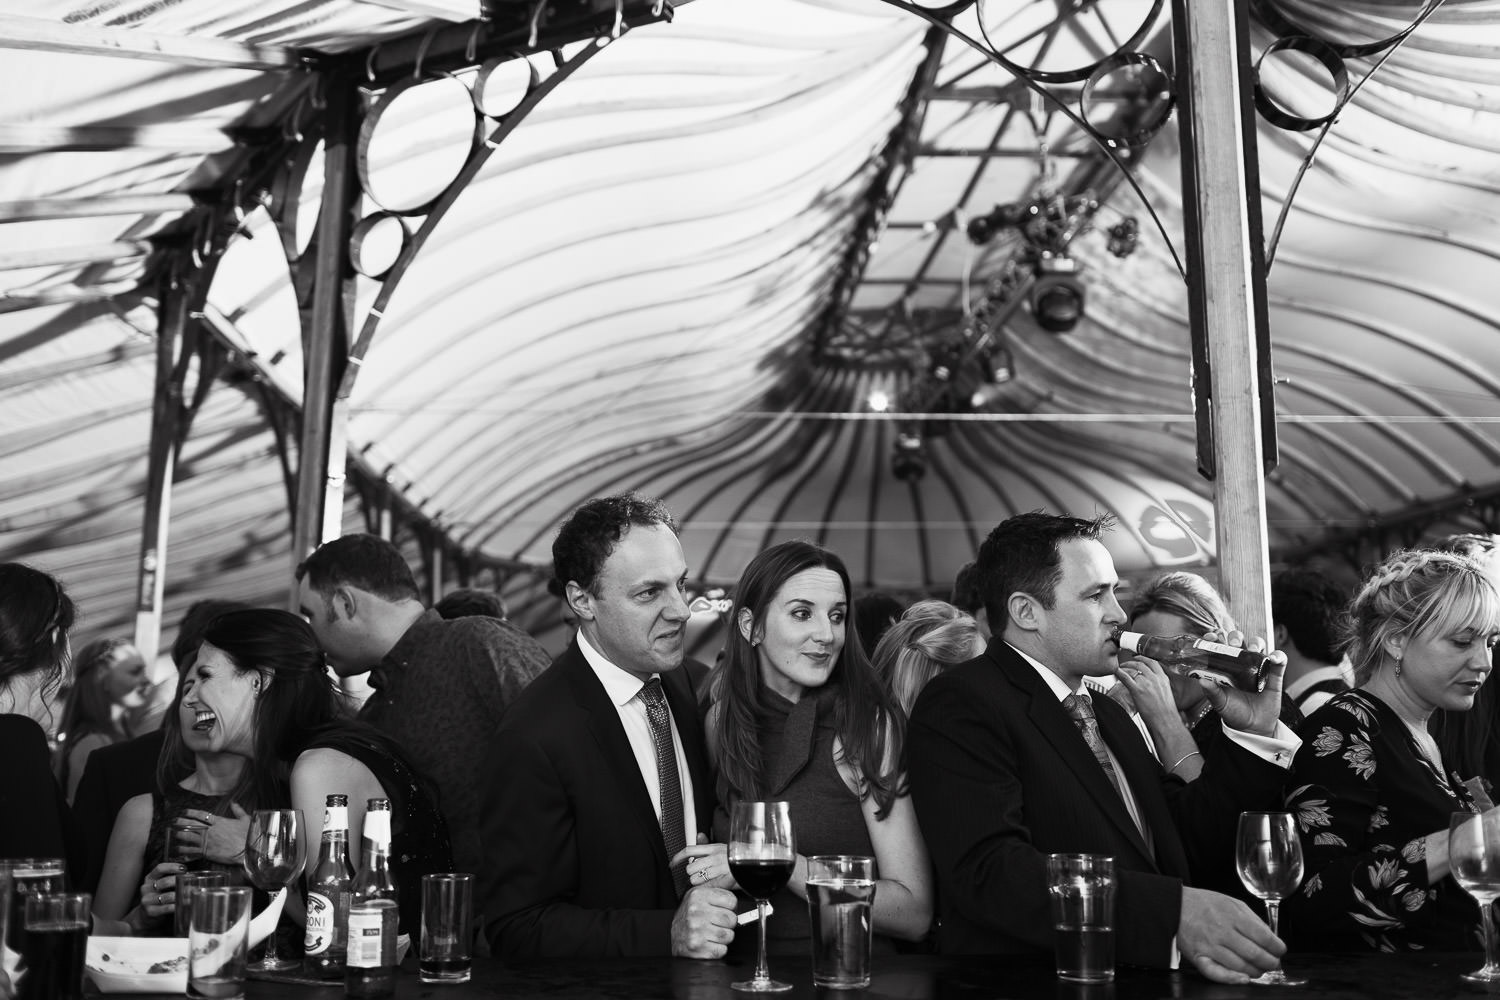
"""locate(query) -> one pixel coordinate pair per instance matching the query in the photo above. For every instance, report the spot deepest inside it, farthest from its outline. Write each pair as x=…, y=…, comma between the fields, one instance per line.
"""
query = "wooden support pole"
x=326, y=341
x=161, y=466
x=1226, y=275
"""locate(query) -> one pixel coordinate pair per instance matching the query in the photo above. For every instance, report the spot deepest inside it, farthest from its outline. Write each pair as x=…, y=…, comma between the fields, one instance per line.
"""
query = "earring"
x=1398, y=666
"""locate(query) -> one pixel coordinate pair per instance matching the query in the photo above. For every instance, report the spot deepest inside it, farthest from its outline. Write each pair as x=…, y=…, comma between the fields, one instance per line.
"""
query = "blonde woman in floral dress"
x=1371, y=791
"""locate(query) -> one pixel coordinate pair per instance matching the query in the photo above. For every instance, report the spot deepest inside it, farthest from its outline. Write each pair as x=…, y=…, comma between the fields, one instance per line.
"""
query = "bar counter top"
x=919, y=977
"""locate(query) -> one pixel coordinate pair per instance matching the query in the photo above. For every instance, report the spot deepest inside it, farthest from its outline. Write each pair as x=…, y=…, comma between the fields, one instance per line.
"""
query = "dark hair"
x=588, y=537
x=873, y=614
x=469, y=603
x=1021, y=556
x=36, y=615
x=298, y=697
x=1308, y=603
x=190, y=630
x=967, y=597
x=865, y=717
x=369, y=563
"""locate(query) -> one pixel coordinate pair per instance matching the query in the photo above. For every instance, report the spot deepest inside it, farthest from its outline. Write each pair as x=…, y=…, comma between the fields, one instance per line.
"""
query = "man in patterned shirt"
x=440, y=686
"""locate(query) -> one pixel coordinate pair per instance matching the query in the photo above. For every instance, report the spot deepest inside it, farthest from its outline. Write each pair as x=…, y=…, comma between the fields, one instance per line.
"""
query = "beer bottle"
x=373, y=912
x=1191, y=656
x=328, y=895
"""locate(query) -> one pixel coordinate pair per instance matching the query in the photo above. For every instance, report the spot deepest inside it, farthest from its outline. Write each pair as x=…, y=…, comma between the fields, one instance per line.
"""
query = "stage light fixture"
x=909, y=461
x=1057, y=296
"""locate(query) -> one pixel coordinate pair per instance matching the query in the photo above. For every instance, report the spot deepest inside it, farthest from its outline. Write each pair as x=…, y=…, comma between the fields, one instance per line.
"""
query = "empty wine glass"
x=1268, y=852
x=1474, y=857
x=275, y=853
x=761, y=856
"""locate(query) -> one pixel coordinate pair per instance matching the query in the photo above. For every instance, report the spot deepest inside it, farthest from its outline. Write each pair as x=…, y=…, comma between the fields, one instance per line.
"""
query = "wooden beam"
x=40, y=35
x=161, y=465
x=105, y=138
x=322, y=453
x=97, y=253
x=42, y=209
x=1226, y=275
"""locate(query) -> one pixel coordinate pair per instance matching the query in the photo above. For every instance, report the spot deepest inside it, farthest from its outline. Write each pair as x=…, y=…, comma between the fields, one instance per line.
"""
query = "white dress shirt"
x=623, y=689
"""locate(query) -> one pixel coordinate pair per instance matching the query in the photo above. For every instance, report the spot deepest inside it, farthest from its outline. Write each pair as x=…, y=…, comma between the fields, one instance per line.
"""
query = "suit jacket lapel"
x=1049, y=717
x=614, y=745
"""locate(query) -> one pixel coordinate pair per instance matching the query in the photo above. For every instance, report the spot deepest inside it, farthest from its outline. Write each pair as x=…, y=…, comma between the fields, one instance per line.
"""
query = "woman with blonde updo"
x=109, y=683
x=927, y=639
x=1370, y=788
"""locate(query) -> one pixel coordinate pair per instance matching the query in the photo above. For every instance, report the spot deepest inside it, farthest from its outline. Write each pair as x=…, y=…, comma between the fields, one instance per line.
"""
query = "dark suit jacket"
x=1001, y=777
x=113, y=774
x=574, y=861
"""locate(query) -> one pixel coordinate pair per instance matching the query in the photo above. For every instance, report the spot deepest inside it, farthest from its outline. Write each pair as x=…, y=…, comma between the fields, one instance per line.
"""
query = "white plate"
x=120, y=964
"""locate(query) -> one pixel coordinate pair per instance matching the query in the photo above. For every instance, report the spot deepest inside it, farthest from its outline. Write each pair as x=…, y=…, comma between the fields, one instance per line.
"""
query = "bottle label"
x=335, y=818
x=321, y=920
x=372, y=936
x=1220, y=648
x=378, y=829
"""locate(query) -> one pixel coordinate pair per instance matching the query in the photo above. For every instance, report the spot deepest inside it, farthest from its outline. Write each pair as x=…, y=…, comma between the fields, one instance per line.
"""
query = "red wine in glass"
x=761, y=855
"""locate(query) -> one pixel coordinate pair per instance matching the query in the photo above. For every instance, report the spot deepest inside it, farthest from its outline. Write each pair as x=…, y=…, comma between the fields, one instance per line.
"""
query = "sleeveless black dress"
x=419, y=834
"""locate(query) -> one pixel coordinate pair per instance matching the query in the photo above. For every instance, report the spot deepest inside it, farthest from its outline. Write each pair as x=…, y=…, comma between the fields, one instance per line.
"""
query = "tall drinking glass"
x=275, y=854
x=6, y=992
x=761, y=855
x=57, y=932
x=1474, y=857
x=28, y=877
x=1268, y=852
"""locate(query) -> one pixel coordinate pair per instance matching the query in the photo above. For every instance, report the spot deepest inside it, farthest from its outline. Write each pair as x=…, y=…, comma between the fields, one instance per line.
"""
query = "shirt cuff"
x=1175, y=960
x=1279, y=748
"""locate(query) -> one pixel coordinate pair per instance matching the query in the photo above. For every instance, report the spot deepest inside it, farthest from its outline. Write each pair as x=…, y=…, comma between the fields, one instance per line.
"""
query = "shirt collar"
x=1054, y=683
x=619, y=684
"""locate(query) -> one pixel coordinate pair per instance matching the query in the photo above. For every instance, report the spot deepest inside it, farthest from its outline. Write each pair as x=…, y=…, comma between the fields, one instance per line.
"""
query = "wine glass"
x=275, y=853
x=1474, y=857
x=761, y=856
x=1268, y=852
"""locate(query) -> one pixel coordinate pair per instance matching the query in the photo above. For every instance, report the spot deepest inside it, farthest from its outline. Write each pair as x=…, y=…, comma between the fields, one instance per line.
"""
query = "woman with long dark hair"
x=263, y=727
x=35, y=617
x=798, y=715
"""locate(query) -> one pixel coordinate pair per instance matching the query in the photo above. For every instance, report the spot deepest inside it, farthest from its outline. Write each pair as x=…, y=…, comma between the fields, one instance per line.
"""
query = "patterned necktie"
x=673, y=832
x=1081, y=710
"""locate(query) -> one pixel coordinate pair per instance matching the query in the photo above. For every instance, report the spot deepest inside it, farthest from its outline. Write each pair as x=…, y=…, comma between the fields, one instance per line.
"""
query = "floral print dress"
x=1365, y=797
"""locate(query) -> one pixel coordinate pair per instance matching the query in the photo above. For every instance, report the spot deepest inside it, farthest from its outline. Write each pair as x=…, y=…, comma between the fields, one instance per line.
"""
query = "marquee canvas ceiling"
x=688, y=268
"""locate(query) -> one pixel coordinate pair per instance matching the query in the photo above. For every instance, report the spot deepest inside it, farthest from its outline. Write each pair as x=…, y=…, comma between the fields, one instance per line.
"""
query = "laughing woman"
x=261, y=727
x=800, y=716
x=1372, y=793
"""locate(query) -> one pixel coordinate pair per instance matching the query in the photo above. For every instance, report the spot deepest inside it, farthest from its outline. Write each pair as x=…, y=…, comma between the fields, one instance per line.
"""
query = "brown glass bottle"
x=373, y=912
x=1190, y=655
x=328, y=887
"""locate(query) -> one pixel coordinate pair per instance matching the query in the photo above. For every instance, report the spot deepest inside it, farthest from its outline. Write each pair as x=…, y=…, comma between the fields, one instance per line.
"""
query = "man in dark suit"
x=1007, y=766
x=598, y=778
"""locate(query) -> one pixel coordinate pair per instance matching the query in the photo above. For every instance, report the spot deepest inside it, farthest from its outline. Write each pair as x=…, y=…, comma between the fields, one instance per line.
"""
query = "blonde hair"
x=1413, y=593
x=929, y=637
x=1187, y=595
